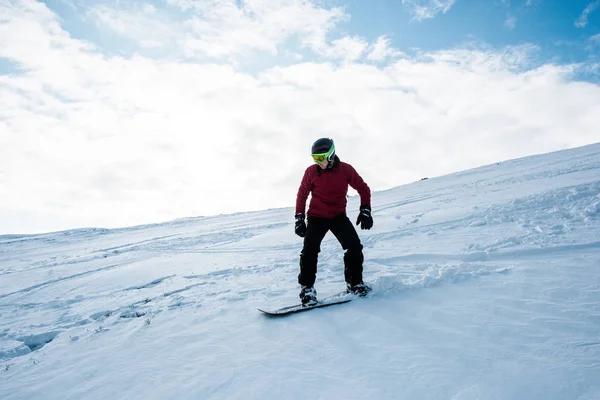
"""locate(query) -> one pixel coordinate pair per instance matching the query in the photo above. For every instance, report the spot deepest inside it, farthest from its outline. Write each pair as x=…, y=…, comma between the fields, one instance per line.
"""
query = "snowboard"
x=339, y=298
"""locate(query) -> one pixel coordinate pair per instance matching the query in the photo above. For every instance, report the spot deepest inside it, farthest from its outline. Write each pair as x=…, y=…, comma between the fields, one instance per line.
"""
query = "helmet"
x=323, y=149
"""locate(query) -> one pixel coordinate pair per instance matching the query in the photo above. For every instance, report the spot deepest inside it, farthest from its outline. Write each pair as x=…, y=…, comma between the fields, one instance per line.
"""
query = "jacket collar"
x=331, y=167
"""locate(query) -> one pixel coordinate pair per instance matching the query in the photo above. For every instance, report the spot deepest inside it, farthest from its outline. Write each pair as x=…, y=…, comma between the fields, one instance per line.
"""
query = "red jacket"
x=329, y=188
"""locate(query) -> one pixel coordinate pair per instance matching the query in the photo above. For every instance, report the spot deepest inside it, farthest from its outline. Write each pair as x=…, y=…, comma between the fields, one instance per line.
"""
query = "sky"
x=116, y=113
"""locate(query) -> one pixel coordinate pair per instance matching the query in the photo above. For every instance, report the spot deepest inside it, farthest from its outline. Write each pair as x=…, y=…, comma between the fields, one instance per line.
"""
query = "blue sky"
x=563, y=31
x=550, y=24
x=124, y=112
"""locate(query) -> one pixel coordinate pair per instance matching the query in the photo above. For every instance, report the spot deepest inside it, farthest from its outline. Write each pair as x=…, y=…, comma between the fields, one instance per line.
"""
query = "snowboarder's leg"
x=316, y=229
x=345, y=233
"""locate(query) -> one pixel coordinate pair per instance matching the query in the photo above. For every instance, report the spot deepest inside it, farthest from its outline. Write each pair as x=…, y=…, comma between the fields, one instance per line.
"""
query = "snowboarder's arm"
x=358, y=184
x=303, y=192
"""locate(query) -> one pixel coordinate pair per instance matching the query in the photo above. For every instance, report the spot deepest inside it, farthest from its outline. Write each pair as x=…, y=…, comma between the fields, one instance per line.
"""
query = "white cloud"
x=510, y=23
x=230, y=30
x=427, y=9
x=582, y=21
x=92, y=140
x=593, y=43
x=224, y=29
x=346, y=49
x=141, y=23
x=382, y=50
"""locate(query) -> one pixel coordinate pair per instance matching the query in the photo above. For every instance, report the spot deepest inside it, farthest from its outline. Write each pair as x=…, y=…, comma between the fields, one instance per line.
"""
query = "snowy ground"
x=486, y=286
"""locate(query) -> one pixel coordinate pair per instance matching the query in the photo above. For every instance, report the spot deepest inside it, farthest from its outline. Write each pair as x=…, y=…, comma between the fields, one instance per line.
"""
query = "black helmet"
x=325, y=148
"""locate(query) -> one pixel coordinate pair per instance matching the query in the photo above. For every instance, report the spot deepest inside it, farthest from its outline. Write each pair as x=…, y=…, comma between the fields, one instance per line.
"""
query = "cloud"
x=141, y=23
x=232, y=31
x=346, y=49
x=582, y=21
x=382, y=50
x=90, y=139
x=510, y=23
x=593, y=43
x=427, y=9
x=223, y=29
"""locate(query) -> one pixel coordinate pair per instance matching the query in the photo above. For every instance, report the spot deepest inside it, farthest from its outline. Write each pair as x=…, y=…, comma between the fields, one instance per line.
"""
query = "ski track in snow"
x=481, y=231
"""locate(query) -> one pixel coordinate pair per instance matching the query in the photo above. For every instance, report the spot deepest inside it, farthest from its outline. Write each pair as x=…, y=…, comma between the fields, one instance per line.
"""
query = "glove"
x=364, y=218
x=300, y=227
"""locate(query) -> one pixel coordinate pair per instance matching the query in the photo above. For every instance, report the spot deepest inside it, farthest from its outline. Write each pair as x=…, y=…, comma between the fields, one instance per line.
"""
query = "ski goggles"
x=320, y=158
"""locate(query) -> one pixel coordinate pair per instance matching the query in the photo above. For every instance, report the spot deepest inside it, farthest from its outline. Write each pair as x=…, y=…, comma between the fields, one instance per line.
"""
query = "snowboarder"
x=328, y=182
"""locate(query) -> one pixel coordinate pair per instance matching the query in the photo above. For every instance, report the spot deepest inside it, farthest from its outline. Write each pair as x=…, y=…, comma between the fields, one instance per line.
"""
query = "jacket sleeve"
x=358, y=184
x=303, y=192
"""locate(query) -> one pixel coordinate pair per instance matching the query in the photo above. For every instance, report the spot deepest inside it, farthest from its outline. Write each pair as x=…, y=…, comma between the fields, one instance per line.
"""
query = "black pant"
x=345, y=233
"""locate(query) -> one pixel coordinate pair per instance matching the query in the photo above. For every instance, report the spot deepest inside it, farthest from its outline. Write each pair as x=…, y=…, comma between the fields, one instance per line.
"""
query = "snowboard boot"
x=360, y=289
x=308, y=296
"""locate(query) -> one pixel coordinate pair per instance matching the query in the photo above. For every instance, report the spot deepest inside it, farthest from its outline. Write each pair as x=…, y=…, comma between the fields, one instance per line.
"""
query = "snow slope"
x=486, y=286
